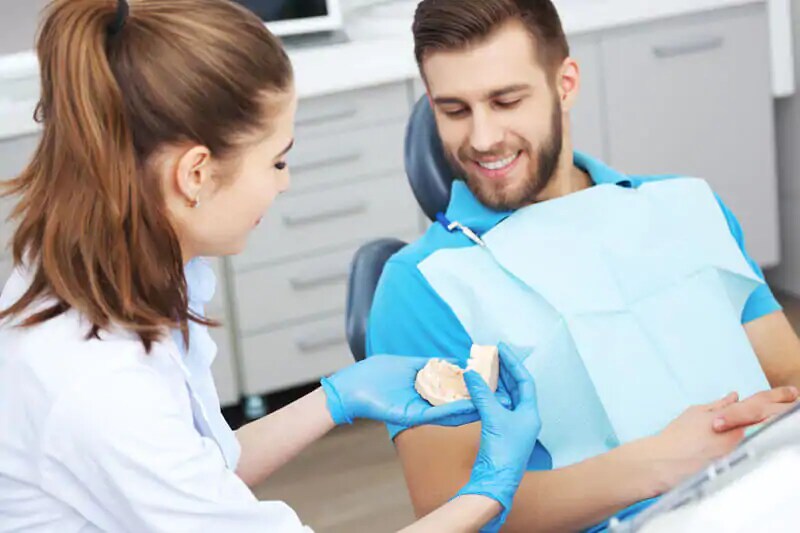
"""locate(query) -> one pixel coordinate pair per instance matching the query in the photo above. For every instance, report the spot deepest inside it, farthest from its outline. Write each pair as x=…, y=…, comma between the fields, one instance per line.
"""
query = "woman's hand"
x=382, y=388
x=508, y=435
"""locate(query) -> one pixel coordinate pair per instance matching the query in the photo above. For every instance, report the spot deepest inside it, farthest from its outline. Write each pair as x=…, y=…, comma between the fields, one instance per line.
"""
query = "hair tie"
x=122, y=16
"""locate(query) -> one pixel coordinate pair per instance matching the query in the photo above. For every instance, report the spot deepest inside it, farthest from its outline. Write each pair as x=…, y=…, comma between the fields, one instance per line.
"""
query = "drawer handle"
x=320, y=340
x=329, y=162
x=328, y=117
x=349, y=209
x=693, y=47
x=304, y=283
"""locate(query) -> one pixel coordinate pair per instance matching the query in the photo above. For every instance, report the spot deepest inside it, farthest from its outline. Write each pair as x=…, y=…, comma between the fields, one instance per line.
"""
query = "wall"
x=787, y=276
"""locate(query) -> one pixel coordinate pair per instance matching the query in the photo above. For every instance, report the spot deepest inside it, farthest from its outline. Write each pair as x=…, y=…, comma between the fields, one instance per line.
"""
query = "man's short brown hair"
x=456, y=24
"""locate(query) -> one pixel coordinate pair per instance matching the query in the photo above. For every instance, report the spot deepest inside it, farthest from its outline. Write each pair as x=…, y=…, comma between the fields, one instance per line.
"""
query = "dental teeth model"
x=440, y=382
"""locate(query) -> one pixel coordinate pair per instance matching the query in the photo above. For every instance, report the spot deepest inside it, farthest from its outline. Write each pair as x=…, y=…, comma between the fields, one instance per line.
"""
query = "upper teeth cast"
x=497, y=165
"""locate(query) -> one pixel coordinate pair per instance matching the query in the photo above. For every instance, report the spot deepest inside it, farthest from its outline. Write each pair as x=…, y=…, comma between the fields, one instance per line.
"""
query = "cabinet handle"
x=321, y=339
x=354, y=207
x=324, y=118
x=696, y=46
x=328, y=162
x=312, y=281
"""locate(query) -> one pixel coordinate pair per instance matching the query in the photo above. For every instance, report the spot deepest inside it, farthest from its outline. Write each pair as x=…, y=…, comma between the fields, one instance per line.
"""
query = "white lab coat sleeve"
x=119, y=451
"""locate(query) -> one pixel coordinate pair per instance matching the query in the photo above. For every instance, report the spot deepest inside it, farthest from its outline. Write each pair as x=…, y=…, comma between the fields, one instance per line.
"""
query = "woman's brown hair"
x=93, y=226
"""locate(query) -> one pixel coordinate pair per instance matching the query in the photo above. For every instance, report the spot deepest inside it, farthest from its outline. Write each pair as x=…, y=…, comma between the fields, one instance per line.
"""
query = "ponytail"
x=93, y=225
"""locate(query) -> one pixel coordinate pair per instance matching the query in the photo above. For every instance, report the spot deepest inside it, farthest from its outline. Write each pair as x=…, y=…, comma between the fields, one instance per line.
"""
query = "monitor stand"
x=314, y=40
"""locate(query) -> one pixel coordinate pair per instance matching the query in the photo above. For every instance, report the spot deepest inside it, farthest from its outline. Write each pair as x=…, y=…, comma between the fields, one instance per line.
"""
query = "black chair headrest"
x=427, y=168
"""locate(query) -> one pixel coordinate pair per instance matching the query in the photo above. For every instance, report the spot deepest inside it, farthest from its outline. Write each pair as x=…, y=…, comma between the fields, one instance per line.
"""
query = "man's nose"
x=486, y=133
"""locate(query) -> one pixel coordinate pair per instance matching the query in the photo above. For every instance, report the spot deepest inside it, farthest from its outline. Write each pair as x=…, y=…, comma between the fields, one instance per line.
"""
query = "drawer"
x=328, y=159
x=293, y=356
x=326, y=220
x=342, y=112
x=292, y=291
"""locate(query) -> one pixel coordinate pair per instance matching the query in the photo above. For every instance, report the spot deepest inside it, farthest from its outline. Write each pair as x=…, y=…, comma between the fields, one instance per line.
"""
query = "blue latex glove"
x=508, y=436
x=382, y=388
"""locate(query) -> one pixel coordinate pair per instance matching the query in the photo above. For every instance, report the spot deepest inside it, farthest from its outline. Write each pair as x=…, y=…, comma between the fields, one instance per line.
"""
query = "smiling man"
x=635, y=295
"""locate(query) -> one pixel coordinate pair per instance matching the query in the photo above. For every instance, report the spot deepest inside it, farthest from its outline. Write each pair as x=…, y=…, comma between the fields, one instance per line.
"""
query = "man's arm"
x=437, y=461
x=775, y=342
x=778, y=348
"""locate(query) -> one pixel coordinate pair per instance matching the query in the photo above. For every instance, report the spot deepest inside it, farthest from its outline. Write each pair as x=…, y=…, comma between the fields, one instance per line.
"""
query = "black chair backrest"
x=427, y=168
x=431, y=177
x=365, y=272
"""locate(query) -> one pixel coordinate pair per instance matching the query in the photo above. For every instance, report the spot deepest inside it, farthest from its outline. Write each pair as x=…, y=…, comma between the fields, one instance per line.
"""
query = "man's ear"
x=568, y=83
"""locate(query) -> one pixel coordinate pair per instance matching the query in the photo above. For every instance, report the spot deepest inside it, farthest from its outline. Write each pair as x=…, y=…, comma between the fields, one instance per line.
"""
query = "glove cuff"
x=335, y=404
x=498, y=521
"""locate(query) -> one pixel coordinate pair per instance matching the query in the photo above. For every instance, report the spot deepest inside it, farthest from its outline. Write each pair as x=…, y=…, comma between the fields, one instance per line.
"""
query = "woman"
x=165, y=131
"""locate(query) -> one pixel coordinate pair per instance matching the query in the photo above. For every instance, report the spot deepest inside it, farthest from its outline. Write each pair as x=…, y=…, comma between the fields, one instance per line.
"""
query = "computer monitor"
x=297, y=17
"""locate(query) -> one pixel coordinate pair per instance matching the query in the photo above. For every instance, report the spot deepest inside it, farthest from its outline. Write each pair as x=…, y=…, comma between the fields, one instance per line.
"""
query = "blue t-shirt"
x=409, y=318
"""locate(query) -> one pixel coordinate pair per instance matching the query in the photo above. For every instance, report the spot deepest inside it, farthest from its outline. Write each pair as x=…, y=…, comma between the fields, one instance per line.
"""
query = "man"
x=502, y=84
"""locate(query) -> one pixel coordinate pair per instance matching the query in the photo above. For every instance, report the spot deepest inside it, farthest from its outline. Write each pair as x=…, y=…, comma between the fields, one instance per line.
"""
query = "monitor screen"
x=284, y=10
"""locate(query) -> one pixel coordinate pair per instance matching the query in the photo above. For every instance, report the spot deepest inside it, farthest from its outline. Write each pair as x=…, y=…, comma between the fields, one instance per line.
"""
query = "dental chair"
x=430, y=176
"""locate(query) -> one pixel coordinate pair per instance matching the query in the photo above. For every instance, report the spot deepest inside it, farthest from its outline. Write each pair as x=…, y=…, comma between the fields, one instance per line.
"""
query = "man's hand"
x=756, y=409
x=689, y=442
x=704, y=433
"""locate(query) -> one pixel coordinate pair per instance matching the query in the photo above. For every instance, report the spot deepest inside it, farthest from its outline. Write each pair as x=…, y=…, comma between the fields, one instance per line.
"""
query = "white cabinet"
x=787, y=275
x=348, y=187
x=693, y=96
x=588, y=117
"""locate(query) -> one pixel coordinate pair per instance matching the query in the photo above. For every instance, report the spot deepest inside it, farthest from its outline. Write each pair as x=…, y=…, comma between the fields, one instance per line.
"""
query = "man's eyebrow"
x=510, y=89
x=453, y=100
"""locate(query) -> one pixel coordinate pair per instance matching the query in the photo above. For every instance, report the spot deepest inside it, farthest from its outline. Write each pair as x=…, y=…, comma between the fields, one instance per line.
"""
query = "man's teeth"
x=497, y=165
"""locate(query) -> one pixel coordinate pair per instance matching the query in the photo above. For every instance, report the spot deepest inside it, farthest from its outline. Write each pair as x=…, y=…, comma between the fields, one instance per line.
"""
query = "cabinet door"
x=588, y=128
x=692, y=96
x=283, y=358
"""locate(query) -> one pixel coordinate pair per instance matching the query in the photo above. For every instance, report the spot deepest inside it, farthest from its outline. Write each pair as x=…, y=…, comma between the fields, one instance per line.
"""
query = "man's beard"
x=505, y=198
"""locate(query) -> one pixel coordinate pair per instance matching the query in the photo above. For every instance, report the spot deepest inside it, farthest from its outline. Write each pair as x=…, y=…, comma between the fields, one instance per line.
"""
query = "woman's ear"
x=192, y=174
